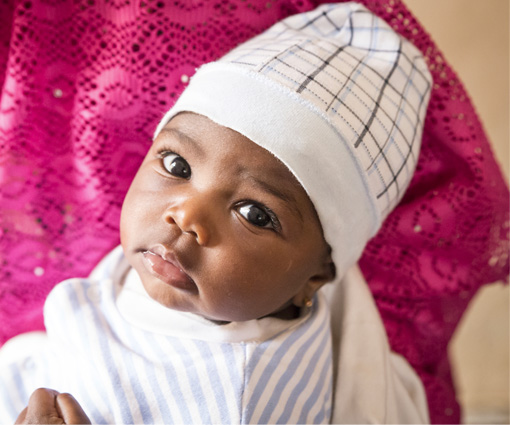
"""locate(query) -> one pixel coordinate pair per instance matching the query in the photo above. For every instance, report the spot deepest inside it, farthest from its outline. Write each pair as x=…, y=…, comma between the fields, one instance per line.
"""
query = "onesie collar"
x=140, y=310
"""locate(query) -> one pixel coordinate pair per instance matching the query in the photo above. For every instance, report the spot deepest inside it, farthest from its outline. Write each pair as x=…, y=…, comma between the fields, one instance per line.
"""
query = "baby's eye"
x=176, y=165
x=259, y=216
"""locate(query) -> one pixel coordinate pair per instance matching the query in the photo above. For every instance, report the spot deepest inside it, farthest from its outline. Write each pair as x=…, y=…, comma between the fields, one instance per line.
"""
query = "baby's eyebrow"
x=184, y=138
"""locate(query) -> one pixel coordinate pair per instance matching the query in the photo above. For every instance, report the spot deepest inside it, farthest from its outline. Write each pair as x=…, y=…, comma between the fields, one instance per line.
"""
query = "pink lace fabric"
x=83, y=85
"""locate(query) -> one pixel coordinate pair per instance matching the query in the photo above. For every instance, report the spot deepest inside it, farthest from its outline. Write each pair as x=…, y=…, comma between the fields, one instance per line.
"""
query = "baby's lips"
x=166, y=268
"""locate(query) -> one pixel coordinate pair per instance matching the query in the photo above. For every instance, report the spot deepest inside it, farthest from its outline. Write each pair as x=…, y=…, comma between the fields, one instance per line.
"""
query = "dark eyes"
x=176, y=165
x=260, y=216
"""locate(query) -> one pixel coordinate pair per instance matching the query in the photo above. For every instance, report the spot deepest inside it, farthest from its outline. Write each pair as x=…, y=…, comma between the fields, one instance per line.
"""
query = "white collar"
x=140, y=310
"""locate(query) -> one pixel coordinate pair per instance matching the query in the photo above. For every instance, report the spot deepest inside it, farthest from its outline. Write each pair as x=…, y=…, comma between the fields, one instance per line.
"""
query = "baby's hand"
x=50, y=407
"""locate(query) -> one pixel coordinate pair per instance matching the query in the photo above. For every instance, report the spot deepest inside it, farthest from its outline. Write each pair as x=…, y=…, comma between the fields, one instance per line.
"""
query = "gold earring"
x=307, y=302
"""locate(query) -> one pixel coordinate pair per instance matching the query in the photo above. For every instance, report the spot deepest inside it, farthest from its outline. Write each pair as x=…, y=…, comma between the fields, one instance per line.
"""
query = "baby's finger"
x=42, y=404
x=70, y=410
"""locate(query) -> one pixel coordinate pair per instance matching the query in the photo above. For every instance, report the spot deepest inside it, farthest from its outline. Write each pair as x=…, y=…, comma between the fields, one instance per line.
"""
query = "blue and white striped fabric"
x=123, y=373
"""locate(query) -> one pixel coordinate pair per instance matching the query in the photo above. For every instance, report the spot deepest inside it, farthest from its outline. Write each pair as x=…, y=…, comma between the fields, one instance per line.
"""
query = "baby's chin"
x=223, y=315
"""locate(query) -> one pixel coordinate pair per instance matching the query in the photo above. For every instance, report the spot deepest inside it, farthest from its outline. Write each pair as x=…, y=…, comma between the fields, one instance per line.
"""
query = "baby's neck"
x=289, y=312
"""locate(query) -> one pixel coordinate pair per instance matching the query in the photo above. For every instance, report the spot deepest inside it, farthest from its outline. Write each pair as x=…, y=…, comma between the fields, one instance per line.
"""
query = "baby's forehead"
x=203, y=136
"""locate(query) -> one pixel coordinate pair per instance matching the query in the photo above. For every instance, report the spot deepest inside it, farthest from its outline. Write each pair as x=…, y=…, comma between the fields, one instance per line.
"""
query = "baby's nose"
x=192, y=216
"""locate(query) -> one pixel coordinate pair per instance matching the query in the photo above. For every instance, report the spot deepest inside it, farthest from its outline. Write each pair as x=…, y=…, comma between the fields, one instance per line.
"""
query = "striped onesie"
x=127, y=359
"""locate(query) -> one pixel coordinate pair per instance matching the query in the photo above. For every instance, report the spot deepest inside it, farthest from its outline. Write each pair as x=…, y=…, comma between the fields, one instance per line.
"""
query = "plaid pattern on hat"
x=371, y=84
x=340, y=99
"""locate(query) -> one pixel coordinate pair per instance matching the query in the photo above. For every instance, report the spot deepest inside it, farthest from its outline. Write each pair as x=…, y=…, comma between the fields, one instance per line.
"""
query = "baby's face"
x=216, y=225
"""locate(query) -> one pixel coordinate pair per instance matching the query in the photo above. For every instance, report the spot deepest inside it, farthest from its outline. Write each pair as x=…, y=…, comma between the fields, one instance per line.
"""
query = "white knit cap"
x=338, y=97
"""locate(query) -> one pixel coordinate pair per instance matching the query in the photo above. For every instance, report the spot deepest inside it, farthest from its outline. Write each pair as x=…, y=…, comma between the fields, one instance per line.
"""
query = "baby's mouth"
x=163, y=265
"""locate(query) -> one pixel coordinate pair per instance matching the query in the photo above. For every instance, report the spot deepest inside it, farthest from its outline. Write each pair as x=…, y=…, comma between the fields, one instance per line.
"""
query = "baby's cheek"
x=233, y=295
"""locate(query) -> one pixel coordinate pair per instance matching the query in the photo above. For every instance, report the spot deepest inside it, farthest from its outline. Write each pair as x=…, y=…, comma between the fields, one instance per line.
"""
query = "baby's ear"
x=326, y=274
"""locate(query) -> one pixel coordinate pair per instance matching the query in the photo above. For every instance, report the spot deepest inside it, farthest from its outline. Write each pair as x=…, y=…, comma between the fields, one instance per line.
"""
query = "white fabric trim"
x=22, y=346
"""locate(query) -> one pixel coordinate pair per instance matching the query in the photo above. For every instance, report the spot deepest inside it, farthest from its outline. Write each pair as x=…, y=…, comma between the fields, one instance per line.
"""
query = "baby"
x=263, y=183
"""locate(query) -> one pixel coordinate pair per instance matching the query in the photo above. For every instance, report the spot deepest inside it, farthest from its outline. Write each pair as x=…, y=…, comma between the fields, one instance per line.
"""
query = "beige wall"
x=474, y=37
